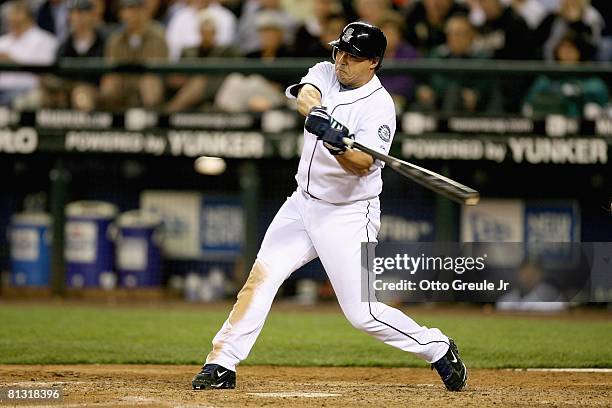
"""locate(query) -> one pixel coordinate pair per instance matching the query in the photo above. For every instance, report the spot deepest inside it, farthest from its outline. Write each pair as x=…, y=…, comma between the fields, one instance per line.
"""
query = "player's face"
x=353, y=71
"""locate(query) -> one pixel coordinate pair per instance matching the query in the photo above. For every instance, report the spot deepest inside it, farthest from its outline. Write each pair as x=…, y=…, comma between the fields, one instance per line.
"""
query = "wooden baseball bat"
x=427, y=178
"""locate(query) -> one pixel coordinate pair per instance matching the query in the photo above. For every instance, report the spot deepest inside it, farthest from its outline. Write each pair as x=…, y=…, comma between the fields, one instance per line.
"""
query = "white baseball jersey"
x=369, y=113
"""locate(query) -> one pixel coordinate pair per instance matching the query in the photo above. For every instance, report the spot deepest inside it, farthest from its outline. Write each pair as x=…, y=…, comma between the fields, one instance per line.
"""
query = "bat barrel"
x=427, y=178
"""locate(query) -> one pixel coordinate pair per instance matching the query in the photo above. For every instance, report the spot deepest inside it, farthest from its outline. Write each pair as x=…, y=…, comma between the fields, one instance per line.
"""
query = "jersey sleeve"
x=377, y=127
x=320, y=76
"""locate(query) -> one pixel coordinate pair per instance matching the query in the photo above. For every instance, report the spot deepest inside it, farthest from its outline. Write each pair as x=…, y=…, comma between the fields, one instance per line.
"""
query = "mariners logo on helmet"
x=362, y=40
x=348, y=34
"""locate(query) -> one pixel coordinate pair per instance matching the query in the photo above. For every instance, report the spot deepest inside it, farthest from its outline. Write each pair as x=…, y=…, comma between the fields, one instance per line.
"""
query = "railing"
x=297, y=66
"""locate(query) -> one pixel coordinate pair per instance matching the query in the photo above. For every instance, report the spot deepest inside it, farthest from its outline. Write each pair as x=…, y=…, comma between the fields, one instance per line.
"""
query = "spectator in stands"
x=372, y=11
x=99, y=10
x=319, y=47
x=532, y=11
x=139, y=41
x=52, y=16
x=110, y=13
x=504, y=34
x=567, y=96
x=85, y=41
x=172, y=8
x=248, y=38
x=299, y=10
x=604, y=7
x=271, y=38
x=577, y=16
x=240, y=93
x=425, y=21
x=157, y=9
x=154, y=9
x=198, y=89
x=457, y=94
x=25, y=43
x=533, y=291
x=209, y=47
x=401, y=87
x=310, y=31
x=348, y=9
x=184, y=32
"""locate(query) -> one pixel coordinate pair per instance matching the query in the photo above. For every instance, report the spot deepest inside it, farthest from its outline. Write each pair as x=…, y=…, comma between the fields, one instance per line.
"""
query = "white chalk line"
x=566, y=370
x=293, y=394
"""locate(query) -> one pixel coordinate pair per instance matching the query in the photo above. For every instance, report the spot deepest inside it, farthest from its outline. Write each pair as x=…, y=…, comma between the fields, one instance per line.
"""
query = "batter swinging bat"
x=427, y=178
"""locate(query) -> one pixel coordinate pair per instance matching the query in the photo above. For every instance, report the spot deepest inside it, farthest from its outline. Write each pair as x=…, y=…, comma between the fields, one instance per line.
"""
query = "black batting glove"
x=318, y=121
x=332, y=140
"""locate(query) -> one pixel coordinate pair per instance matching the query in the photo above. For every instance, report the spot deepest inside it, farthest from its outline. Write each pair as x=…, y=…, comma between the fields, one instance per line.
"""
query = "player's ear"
x=374, y=63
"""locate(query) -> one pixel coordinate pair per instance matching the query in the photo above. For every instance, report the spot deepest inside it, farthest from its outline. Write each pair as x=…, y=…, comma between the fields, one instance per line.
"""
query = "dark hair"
x=585, y=49
x=392, y=17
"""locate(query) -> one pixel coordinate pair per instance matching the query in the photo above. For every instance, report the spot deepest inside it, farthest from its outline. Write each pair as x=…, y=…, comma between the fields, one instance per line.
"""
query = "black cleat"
x=451, y=369
x=214, y=376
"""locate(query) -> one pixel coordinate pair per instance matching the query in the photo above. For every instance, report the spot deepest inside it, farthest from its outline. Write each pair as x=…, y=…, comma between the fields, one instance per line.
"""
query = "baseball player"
x=333, y=210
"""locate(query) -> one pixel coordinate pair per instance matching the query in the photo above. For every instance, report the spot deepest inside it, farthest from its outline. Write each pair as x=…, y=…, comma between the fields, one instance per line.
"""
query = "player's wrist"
x=319, y=108
x=334, y=150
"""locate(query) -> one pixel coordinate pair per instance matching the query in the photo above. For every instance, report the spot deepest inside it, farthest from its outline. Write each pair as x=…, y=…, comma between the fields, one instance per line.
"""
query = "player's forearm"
x=355, y=162
x=308, y=97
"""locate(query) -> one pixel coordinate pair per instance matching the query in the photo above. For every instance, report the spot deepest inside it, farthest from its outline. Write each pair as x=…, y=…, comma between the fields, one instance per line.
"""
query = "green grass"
x=71, y=334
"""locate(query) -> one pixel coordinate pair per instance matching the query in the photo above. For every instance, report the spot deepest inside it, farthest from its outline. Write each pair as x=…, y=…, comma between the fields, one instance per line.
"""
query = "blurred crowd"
x=135, y=31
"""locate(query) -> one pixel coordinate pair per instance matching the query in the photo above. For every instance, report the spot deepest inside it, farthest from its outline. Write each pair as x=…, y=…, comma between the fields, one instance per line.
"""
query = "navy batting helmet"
x=362, y=40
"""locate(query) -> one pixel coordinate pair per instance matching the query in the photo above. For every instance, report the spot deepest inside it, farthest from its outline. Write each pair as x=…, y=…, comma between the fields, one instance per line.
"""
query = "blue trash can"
x=89, y=247
x=138, y=249
x=30, y=241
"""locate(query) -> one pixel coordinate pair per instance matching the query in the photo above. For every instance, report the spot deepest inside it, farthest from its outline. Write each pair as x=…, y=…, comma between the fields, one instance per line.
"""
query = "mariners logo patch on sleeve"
x=384, y=133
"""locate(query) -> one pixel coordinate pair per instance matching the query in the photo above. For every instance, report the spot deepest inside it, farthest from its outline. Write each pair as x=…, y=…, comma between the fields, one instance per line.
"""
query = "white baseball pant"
x=303, y=229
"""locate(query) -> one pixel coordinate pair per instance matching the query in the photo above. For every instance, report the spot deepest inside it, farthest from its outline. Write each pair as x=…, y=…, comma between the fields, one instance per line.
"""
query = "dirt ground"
x=169, y=386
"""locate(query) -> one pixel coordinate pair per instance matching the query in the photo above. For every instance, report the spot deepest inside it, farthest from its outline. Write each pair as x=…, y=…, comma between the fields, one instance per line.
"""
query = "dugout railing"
x=297, y=66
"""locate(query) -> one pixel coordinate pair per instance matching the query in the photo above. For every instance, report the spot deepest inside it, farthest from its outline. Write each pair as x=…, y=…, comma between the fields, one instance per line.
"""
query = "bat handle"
x=348, y=141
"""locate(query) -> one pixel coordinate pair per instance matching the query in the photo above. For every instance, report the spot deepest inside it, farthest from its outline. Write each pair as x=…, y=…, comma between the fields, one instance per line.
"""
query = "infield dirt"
x=169, y=386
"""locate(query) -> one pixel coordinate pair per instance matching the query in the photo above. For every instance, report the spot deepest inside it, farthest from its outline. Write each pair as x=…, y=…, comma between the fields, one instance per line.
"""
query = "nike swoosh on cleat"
x=217, y=385
x=454, y=360
x=219, y=373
